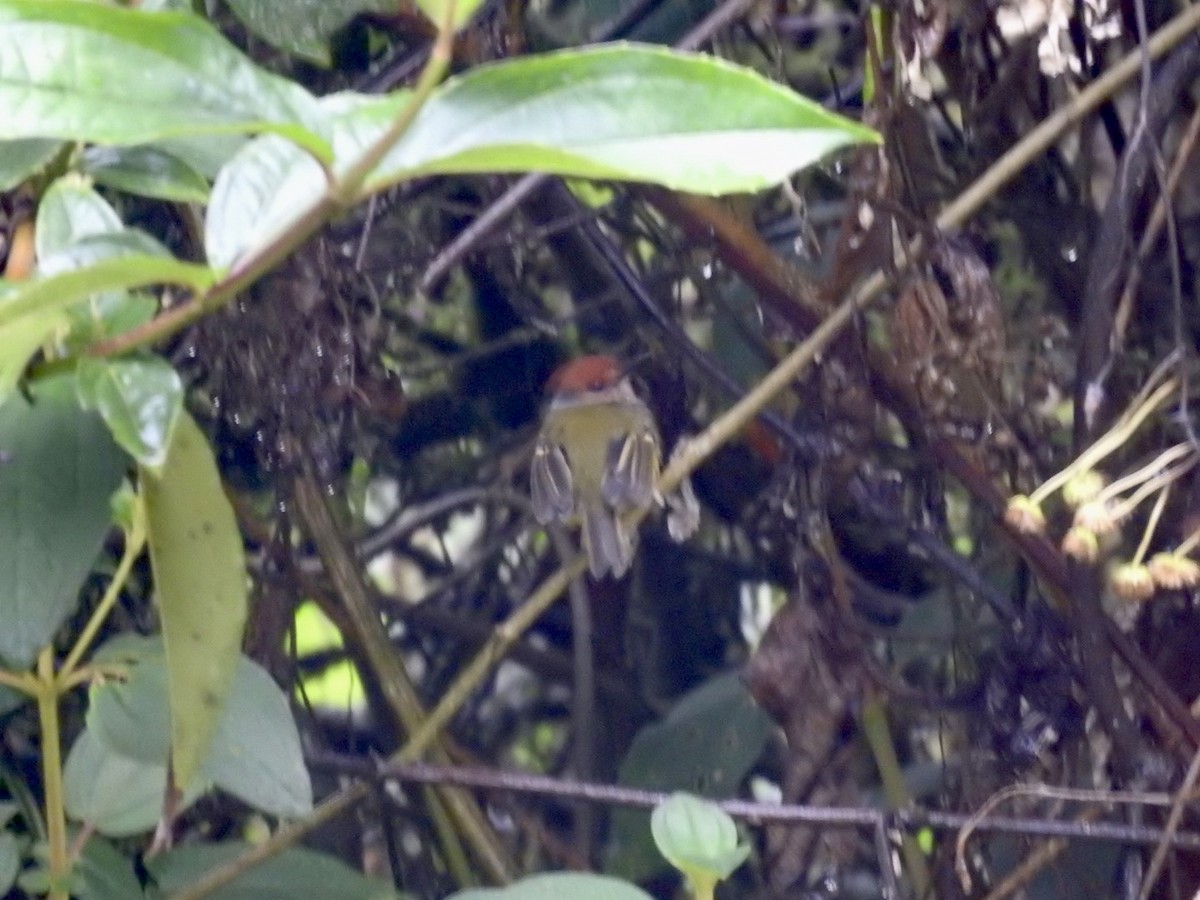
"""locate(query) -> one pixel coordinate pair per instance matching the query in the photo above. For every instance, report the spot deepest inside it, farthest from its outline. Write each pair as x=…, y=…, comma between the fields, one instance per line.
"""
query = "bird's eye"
x=596, y=385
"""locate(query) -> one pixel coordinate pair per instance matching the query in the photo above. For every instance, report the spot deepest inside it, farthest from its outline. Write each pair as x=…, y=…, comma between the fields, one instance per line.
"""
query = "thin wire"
x=777, y=813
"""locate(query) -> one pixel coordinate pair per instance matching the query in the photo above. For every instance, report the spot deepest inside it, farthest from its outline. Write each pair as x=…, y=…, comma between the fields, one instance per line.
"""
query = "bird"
x=596, y=459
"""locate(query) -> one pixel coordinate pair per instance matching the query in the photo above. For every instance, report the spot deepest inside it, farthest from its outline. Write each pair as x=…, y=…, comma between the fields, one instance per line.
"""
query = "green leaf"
x=70, y=211
x=92, y=248
x=131, y=715
x=21, y=159
x=58, y=292
x=104, y=74
x=626, y=112
x=76, y=227
x=255, y=753
x=21, y=339
x=303, y=27
x=257, y=195
x=699, y=839
x=559, y=886
x=117, y=795
x=206, y=153
x=140, y=399
x=35, y=880
x=262, y=189
x=200, y=581
x=294, y=874
x=10, y=860
x=59, y=468
x=107, y=874
x=146, y=171
x=705, y=745
x=106, y=313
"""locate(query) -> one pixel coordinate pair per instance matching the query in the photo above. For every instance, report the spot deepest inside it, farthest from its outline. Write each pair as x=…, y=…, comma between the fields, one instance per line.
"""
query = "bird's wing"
x=633, y=468
x=550, y=483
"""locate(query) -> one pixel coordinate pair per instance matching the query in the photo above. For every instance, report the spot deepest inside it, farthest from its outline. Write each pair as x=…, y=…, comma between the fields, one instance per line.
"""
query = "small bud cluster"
x=1100, y=508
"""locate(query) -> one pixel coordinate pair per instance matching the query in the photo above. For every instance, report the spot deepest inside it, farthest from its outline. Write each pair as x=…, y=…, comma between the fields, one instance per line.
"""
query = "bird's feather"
x=633, y=468
x=550, y=484
x=606, y=543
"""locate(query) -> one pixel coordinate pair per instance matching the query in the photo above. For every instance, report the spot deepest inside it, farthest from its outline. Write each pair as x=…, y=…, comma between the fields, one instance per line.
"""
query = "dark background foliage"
x=397, y=362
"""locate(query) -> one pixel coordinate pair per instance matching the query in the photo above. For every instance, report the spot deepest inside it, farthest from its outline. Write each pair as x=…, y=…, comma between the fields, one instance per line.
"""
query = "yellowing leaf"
x=200, y=582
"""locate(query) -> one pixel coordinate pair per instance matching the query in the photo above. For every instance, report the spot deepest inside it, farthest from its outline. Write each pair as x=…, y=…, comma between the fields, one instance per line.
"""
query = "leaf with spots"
x=200, y=581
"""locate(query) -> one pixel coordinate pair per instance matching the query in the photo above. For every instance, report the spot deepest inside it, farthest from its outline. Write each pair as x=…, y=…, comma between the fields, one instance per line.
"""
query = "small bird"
x=597, y=457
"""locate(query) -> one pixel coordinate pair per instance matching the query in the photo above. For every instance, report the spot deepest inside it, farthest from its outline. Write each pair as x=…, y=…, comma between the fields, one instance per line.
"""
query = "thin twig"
x=770, y=813
x=1137, y=798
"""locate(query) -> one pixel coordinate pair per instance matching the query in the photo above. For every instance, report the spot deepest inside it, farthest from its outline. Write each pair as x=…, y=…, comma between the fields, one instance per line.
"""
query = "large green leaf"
x=23, y=158
x=303, y=27
x=71, y=211
x=140, y=399
x=294, y=874
x=10, y=860
x=60, y=291
x=131, y=716
x=147, y=171
x=58, y=468
x=117, y=795
x=260, y=191
x=705, y=745
x=101, y=73
x=21, y=339
x=200, y=582
x=106, y=872
x=76, y=227
x=628, y=112
x=255, y=754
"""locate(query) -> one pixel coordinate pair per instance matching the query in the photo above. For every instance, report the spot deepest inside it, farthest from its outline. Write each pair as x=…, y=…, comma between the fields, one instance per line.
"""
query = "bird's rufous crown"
x=585, y=374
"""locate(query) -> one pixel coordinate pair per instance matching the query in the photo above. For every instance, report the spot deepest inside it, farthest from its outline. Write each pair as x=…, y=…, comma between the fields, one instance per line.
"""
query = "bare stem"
x=56, y=816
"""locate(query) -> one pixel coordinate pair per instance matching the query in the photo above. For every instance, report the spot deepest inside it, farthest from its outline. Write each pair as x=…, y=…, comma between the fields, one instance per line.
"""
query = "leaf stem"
x=19, y=681
x=874, y=726
x=56, y=819
x=1151, y=525
x=1189, y=543
x=1109, y=442
x=1135, y=478
x=135, y=540
x=1158, y=482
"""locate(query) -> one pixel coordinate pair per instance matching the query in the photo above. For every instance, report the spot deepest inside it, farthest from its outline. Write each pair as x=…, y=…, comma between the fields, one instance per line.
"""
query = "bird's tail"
x=608, y=545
